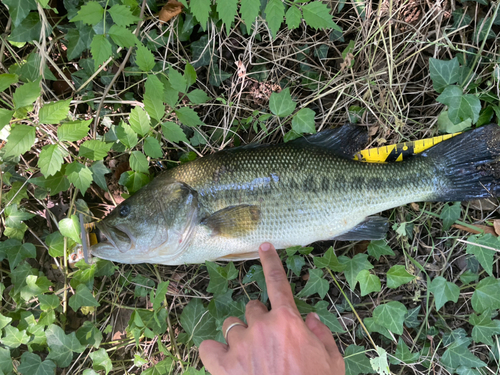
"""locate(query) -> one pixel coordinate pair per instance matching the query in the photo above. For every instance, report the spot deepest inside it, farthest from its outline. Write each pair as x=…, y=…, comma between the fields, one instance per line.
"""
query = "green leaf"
x=403, y=354
x=144, y=59
x=5, y=117
x=219, y=277
x=6, y=362
x=101, y=361
x=188, y=116
x=3, y=323
x=281, y=104
x=444, y=291
x=227, y=12
x=94, y=149
x=159, y=297
x=295, y=263
x=91, y=13
x=82, y=297
x=79, y=175
x=152, y=148
x=484, y=327
x=20, y=140
x=133, y=181
x=356, y=361
x=321, y=308
x=101, y=50
x=14, y=217
x=391, y=316
x=177, y=80
x=16, y=251
x=79, y=40
x=371, y=326
x=255, y=273
x=73, y=131
x=460, y=107
x=139, y=162
x=443, y=73
x=317, y=15
x=139, y=121
x=316, y=284
x=122, y=15
x=201, y=10
x=368, y=282
x=197, y=322
x=275, y=10
x=198, y=96
x=26, y=94
x=122, y=36
x=70, y=227
x=330, y=260
x=153, y=98
x=377, y=248
x=293, y=17
x=468, y=277
x=62, y=346
x=50, y=160
x=98, y=171
x=478, y=246
x=249, y=10
x=354, y=266
x=28, y=30
x=13, y=337
x=54, y=113
x=379, y=363
x=55, y=183
x=126, y=135
x=487, y=295
x=19, y=9
x=48, y=301
x=31, y=364
x=303, y=121
x=450, y=214
x=189, y=74
x=89, y=334
x=397, y=276
x=6, y=80
x=457, y=355
x=446, y=126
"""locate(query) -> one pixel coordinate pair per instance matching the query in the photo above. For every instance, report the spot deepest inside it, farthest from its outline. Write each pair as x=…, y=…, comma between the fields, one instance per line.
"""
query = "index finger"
x=278, y=288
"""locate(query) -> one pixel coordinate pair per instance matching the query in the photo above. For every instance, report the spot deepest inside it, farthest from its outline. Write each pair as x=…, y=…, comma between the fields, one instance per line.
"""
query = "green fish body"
x=223, y=206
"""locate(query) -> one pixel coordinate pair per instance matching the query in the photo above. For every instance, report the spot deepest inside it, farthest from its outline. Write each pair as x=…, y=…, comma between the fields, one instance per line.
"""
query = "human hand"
x=274, y=342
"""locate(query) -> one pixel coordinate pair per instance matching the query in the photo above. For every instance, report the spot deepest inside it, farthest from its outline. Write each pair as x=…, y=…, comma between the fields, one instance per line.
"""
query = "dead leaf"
x=360, y=247
x=496, y=225
x=170, y=10
x=480, y=229
x=415, y=206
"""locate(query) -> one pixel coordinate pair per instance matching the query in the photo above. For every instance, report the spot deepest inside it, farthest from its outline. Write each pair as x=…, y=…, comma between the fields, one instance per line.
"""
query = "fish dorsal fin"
x=233, y=221
x=372, y=228
x=343, y=141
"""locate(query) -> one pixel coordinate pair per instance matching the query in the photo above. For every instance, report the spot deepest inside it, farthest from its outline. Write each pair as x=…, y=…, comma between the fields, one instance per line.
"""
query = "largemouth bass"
x=223, y=206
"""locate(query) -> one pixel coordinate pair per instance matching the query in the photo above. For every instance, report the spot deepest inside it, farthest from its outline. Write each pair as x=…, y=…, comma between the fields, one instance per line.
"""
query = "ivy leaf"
x=255, y=273
x=82, y=297
x=122, y=15
x=354, y=266
x=356, y=361
x=79, y=175
x=138, y=162
x=443, y=73
x=403, y=354
x=303, y=121
x=73, y=131
x=62, y=346
x=133, y=181
x=197, y=322
x=484, y=327
x=153, y=102
x=55, y=183
x=487, y=295
x=89, y=334
x=391, y=316
x=219, y=277
x=6, y=362
x=368, y=282
x=315, y=284
x=19, y=9
x=14, y=337
x=98, y=171
x=450, y=214
x=79, y=40
x=101, y=360
x=444, y=291
x=48, y=302
x=377, y=248
x=94, y=149
x=457, y=355
x=295, y=263
x=188, y=116
x=397, y=276
x=122, y=36
x=152, y=148
x=54, y=113
x=317, y=15
x=144, y=59
x=227, y=12
x=198, y=96
x=330, y=260
x=321, y=308
x=445, y=125
x=371, y=326
x=126, y=135
x=70, y=227
x=28, y=30
x=139, y=121
x=468, y=277
x=477, y=246
x=201, y=10
x=281, y=104
x=32, y=364
x=16, y=251
x=6, y=80
x=91, y=13
x=293, y=17
x=460, y=107
x=249, y=10
x=101, y=50
x=20, y=140
x=50, y=160
x=26, y=94
x=275, y=10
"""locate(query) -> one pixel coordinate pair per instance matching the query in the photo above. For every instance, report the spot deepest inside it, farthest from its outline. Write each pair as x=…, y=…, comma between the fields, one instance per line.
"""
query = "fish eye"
x=124, y=210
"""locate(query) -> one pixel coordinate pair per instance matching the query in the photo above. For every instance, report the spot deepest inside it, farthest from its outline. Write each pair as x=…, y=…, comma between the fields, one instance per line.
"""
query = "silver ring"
x=231, y=326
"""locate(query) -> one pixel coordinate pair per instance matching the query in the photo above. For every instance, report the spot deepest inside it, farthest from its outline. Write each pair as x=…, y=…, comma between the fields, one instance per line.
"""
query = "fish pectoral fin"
x=241, y=256
x=372, y=228
x=233, y=221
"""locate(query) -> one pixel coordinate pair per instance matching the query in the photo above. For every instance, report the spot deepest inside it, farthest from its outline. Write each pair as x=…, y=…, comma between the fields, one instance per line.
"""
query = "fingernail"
x=316, y=316
x=265, y=246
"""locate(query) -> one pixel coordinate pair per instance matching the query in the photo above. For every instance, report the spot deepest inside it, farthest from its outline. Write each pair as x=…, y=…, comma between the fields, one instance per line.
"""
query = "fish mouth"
x=113, y=238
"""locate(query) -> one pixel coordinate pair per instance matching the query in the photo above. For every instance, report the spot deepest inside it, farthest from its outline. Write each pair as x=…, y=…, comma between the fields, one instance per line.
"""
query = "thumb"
x=212, y=354
x=323, y=333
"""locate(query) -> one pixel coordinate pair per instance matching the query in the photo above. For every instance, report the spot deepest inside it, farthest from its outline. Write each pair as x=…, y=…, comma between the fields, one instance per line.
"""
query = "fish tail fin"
x=469, y=164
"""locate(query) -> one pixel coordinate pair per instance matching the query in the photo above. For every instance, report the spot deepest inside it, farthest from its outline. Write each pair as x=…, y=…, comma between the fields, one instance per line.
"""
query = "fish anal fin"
x=372, y=228
x=233, y=221
x=240, y=256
